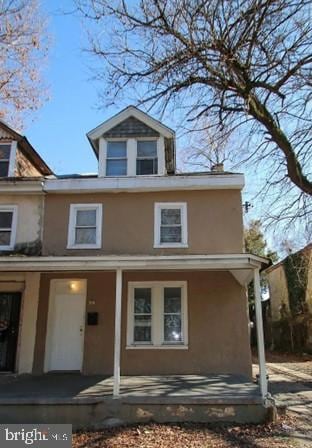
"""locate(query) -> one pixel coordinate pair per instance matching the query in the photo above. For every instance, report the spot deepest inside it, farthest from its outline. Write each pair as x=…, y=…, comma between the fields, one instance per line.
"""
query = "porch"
x=87, y=401
x=215, y=286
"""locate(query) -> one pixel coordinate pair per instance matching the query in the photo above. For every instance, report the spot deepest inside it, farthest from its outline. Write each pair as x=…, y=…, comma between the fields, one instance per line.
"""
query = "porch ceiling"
x=231, y=262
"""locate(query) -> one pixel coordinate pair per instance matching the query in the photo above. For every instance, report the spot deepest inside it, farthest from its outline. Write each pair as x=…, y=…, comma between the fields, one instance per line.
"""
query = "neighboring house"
x=142, y=269
x=22, y=172
x=290, y=284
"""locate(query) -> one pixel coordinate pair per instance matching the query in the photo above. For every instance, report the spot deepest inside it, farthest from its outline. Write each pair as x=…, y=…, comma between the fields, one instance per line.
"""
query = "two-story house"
x=22, y=172
x=142, y=270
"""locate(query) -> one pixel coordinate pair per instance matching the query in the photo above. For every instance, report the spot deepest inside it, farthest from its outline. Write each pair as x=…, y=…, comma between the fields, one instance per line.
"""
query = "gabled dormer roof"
x=133, y=122
x=26, y=148
x=125, y=114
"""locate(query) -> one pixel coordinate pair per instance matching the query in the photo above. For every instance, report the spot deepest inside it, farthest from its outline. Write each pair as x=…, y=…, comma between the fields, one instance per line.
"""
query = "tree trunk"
x=294, y=170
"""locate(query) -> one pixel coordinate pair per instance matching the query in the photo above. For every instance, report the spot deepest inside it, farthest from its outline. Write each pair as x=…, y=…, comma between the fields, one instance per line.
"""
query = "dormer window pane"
x=5, y=150
x=147, y=157
x=116, y=160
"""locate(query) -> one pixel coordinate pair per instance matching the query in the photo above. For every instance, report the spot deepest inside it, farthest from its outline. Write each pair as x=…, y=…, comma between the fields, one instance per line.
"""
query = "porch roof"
x=135, y=262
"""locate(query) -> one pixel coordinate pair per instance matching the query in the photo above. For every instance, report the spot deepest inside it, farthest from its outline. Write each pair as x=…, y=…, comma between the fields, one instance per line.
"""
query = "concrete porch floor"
x=58, y=387
x=87, y=402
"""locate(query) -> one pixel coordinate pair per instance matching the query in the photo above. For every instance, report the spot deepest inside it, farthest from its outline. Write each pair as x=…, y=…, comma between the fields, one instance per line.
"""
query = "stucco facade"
x=212, y=347
x=29, y=218
x=214, y=222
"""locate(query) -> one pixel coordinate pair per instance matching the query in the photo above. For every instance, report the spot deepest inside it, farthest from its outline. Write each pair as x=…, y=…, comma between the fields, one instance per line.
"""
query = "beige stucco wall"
x=29, y=216
x=278, y=291
x=28, y=284
x=27, y=334
x=214, y=222
x=217, y=326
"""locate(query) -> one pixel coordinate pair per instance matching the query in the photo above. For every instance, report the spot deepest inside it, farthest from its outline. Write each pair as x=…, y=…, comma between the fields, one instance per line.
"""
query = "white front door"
x=66, y=322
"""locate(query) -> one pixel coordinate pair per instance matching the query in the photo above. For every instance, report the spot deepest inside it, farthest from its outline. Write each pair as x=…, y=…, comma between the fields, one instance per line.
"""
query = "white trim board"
x=11, y=172
x=145, y=183
x=21, y=187
x=149, y=262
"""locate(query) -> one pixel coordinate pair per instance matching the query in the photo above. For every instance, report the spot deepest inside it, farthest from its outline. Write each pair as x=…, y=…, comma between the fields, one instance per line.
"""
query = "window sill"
x=172, y=245
x=6, y=248
x=157, y=347
x=84, y=246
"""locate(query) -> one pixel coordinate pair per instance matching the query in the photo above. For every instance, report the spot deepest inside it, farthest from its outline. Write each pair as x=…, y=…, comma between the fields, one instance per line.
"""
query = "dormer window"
x=116, y=161
x=147, y=162
x=5, y=152
x=133, y=143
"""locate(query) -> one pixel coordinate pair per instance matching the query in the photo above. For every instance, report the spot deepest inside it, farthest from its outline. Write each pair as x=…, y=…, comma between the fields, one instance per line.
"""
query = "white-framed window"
x=157, y=315
x=8, y=223
x=170, y=224
x=85, y=226
x=7, y=159
x=116, y=158
x=147, y=161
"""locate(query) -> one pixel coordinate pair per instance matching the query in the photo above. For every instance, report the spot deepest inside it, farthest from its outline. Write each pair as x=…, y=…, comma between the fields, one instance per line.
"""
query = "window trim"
x=116, y=140
x=72, y=225
x=157, y=221
x=132, y=155
x=147, y=158
x=14, y=209
x=12, y=158
x=157, y=315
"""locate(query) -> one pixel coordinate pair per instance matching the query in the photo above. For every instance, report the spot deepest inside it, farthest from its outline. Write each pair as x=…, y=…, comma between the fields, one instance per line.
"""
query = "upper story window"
x=116, y=158
x=8, y=221
x=170, y=226
x=5, y=152
x=85, y=226
x=147, y=162
x=157, y=314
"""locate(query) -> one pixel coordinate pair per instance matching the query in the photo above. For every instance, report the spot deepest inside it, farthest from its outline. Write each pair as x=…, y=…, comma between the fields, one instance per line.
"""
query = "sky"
x=58, y=130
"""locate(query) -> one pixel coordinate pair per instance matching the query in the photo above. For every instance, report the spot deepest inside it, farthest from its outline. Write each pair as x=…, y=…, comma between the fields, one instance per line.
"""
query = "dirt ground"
x=290, y=379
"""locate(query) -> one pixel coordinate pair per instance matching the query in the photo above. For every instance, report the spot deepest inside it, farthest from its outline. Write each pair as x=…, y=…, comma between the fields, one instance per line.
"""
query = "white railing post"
x=117, y=343
x=260, y=336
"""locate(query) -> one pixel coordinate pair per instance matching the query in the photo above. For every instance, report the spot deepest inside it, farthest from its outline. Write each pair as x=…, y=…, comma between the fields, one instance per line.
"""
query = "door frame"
x=50, y=321
x=18, y=328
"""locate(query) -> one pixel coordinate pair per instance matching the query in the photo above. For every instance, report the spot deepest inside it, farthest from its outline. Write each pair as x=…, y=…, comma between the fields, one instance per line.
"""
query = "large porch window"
x=157, y=315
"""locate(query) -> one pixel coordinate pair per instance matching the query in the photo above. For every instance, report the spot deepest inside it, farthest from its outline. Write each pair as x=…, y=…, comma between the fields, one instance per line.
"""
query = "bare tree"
x=243, y=65
x=203, y=151
x=23, y=48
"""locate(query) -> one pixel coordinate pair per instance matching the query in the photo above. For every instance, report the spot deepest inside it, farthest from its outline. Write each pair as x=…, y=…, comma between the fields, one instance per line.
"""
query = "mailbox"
x=92, y=318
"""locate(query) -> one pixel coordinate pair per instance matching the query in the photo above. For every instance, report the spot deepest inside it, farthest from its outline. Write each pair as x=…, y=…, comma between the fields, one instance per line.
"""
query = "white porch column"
x=117, y=333
x=260, y=336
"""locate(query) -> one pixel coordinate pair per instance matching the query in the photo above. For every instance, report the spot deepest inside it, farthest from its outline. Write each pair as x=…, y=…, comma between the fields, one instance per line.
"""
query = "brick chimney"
x=218, y=168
